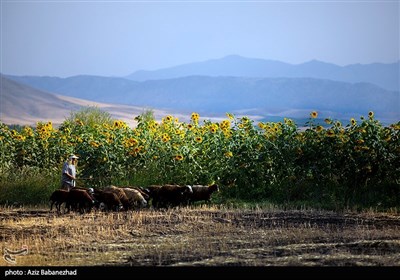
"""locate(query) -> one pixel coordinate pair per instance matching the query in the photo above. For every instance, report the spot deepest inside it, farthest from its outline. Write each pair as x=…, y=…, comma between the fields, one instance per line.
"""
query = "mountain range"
x=380, y=74
x=254, y=87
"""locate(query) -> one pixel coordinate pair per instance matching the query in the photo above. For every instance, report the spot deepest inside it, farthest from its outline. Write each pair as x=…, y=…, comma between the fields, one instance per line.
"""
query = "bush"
x=27, y=186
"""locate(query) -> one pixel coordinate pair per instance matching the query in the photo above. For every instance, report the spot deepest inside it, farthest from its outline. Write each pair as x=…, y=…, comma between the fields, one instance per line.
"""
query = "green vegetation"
x=90, y=115
x=331, y=166
x=28, y=185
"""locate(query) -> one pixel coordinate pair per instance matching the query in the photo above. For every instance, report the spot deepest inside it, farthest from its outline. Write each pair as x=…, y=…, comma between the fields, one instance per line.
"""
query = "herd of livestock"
x=112, y=198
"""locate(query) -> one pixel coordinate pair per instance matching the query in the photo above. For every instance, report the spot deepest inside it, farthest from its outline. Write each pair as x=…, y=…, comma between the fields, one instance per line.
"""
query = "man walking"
x=68, y=175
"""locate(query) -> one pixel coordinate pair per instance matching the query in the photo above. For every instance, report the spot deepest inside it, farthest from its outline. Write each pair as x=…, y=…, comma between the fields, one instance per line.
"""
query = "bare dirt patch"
x=202, y=236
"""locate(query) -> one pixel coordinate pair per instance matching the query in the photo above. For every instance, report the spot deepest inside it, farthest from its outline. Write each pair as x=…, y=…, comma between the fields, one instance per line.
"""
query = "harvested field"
x=201, y=236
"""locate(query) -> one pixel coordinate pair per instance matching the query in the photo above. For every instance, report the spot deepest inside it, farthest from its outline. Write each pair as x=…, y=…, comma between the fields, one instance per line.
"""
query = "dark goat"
x=121, y=195
x=203, y=193
x=152, y=192
x=58, y=197
x=109, y=199
x=79, y=200
x=90, y=191
x=172, y=195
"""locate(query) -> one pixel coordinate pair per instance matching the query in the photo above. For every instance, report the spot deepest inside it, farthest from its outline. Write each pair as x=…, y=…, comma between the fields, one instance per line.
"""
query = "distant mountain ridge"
x=217, y=95
x=380, y=74
x=244, y=85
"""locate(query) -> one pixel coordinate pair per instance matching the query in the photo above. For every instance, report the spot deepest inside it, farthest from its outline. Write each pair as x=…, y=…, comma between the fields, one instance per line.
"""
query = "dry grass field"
x=201, y=236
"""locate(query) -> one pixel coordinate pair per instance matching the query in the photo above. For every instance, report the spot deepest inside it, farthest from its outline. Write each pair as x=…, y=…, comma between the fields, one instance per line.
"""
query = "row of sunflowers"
x=248, y=159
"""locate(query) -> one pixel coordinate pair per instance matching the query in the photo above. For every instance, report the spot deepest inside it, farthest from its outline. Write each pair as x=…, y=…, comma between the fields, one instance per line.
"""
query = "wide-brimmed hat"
x=73, y=157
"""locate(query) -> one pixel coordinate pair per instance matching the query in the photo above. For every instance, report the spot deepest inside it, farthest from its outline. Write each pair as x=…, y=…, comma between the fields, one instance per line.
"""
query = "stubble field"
x=201, y=236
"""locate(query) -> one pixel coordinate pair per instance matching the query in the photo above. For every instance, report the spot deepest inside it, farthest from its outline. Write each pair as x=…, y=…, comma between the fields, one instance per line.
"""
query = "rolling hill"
x=24, y=105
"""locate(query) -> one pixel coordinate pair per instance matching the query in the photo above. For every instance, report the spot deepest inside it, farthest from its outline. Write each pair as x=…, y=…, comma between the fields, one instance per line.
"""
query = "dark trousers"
x=66, y=186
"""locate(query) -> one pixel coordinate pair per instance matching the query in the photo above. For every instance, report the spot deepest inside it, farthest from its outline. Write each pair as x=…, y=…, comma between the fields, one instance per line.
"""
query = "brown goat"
x=135, y=198
x=172, y=195
x=109, y=199
x=203, y=193
x=152, y=192
x=79, y=200
x=57, y=198
x=121, y=195
x=143, y=192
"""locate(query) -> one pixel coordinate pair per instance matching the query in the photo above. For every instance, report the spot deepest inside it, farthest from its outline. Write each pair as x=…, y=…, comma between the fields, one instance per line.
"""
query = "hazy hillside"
x=383, y=75
x=24, y=105
x=21, y=104
x=83, y=86
x=216, y=95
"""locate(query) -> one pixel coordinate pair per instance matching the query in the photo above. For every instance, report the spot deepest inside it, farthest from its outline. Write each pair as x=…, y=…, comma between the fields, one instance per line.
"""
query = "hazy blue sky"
x=116, y=38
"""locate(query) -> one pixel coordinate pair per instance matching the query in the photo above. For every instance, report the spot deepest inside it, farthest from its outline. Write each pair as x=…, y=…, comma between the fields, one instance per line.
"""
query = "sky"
x=117, y=38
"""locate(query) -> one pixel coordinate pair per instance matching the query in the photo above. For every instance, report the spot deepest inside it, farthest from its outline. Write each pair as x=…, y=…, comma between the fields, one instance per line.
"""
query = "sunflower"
x=178, y=157
x=79, y=122
x=131, y=142
x=167, y=119
x=195, y=117
x=230, y=116
x=228, y=154
x=288, y=121
x=213, y=128
x=371, y=115
x=313, y=114
x=165, y=137
x=94, y=144
x=353, y=122
x=330, y=133
x=225, y=124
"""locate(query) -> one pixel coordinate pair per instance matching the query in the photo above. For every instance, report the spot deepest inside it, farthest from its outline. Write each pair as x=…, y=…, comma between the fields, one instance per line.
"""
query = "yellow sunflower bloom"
x=313, y=114
x=371, y=115
x=228, y=154
x=178, y=157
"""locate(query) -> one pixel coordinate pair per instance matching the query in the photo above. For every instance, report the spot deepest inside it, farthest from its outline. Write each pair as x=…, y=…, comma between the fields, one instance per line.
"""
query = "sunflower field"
x=329, y=164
